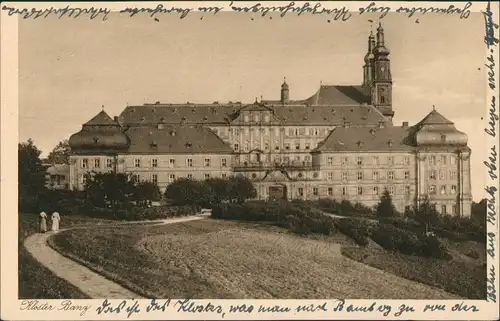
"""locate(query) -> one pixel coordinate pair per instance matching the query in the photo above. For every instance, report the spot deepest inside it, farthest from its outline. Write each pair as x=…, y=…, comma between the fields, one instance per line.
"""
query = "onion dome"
x=380, y=49
x=371, y=45
x=101, y=133
x=284, y=86
x=436, y=130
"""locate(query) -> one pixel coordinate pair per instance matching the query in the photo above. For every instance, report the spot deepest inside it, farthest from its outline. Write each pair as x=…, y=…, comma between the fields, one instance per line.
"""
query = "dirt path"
x=89, y=282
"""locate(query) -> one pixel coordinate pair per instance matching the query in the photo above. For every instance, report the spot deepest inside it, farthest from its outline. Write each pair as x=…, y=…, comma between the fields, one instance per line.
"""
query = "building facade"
x=339, y=143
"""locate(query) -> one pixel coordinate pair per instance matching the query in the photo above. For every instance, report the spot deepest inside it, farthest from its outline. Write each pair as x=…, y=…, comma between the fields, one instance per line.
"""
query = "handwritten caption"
x=313, y=8
x=491, y=163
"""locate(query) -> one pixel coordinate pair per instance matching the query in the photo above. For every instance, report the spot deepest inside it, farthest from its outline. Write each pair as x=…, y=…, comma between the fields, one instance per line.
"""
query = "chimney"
x=405, y=124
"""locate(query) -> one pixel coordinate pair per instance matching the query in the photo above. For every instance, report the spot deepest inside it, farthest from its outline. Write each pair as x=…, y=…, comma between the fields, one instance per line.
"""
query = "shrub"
x=403, y=223
x=356, y=229
x=432, y=247
x=473, y=254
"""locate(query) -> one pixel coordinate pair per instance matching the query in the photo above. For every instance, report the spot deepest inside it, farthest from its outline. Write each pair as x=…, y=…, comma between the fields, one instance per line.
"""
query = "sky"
x=68, y=69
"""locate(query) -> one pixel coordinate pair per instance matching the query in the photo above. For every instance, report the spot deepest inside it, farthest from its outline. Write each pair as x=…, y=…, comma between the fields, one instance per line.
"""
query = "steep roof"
x=224, y=114
x=435, y=118
x=367, y=139
x=184, y=139
x=101, y=119
x=333, y=96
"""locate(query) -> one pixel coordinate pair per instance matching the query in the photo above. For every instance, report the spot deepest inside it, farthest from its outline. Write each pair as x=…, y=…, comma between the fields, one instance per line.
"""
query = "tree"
x=31, y=175
x=426, y=213
x=112, y=187
x=241, y=188
x=185, y=191
x=60, y=153
x=147, y=191
x=385, y=207
x=219, y=188
x=478, y=211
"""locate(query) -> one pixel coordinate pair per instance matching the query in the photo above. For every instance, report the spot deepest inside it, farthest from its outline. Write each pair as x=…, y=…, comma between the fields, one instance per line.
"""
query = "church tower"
x=382, y=79
x=369, y=57
x=285, y=93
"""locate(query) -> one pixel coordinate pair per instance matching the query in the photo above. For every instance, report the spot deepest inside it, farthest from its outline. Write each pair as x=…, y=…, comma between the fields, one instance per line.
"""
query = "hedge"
x=357, y=229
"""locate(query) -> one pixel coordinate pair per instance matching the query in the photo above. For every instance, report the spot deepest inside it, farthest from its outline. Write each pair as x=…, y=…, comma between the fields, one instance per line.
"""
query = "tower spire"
x=285, y=92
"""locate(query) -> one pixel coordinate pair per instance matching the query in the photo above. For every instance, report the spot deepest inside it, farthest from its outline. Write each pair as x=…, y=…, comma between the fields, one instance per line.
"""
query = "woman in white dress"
x=55, y=221
x=43, y=222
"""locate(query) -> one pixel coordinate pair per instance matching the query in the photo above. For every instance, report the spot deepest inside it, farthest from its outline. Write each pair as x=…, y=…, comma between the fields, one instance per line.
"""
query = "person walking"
x=55, y=221
x=43, y=222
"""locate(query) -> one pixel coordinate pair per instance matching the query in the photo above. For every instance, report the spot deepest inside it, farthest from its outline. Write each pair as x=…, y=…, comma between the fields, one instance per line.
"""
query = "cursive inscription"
x=67, y=11
x=36, y=305
x=155, y=305
x=491, y=163
x=159, y=9
x=493, y=118
x=490, y=26
x=463, y=13
x=491, y=292
x=491, y=245
x=490, y=201
x=68, y=305
x=107, y=308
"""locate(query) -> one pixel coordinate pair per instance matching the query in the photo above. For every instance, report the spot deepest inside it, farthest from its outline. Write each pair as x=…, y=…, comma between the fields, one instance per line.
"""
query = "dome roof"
x=101, y=133
x=369, y=56
x=381, y=51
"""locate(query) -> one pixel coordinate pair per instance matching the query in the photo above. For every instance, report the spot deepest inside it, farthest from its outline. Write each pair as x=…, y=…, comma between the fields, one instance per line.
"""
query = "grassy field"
x=35, y=281
x=463, y=275
x=228, y=260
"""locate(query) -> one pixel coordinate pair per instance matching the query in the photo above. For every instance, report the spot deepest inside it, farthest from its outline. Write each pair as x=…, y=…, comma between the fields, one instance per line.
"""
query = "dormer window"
x=162, y=119
x=143, y=118
x=389, y=143
x=372, y=131
x=193, y=110
x=172, y=133
x=95, y=139
x=183, y=119
x=360, y=144
x=443, y=138
x=205, y=118
x=188, y=144
x=153, y=144
x=325, y=118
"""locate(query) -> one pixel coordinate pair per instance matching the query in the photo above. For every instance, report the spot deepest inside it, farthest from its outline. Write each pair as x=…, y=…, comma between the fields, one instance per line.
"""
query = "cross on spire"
x=434, y=107
x=102, y=106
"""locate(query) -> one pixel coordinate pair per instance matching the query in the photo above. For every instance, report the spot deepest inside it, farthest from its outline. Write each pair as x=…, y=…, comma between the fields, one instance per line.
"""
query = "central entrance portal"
x=277, y=192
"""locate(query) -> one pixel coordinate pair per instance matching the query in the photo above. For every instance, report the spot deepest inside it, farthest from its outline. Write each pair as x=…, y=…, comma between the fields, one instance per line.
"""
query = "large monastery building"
x=339, y=143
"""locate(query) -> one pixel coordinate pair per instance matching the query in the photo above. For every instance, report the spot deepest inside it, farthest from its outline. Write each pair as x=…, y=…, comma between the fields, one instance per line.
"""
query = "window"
x=443, y=209
x=407, y=175
x=154, y=162
x=207, y=176
x=256, y=118
x=315, y=191
x=154, y=178
x=453, y=175
x=359, y=175
x=442, y=190
x=97, y=163
x=453, y=189
x=345, y=161
x=391, y=190
x=171, y=163
x=137, y=163
x=301, y=191
x=189, y=162
x=247, y=145
x=136, y=178
x=286, y=159
x=453, y=209
x=277, y=158
x=109, y=163
x=297, y=145
x=307, y=146
x=84, y=179
x=189, y=176
x=296, y=132
x=432, y=160
x=344, y=191
x=375, y=160
x=302, y=131
x=85, y=163
x=345, y=176
x=311, y=131
x=442, y=175
x=287, y=146
x=406, y=160
x=453, y=160
x=171, y=177
x=359, y=160
x=330, y=176
x=390, y=160
x=236, y=147
x=407, y=209
x=245, y=118
x=223, y=162
x=277, y=145
x=360, y=190
x=316, y=132
x=330, y=161
x=432, y=189
x=443, y=160
x=375, y=176
x=432, y=174
x=207, y=162
x=224, y=175
x=290, y=132
x=330, y=191
x=407, y=190
x=266, y=145
x=375, y=190
x=390, y=175
x=307, y=158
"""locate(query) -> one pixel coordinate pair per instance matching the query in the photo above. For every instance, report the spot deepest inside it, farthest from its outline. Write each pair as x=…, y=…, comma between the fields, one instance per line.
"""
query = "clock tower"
x=382, y=79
